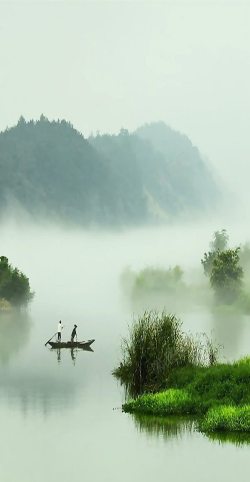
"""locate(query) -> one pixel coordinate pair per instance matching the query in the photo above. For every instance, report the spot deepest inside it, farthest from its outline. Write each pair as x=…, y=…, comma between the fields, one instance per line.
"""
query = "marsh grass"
x=155, y=347
x=168, y=402
x=220, y=393
x=226, y=418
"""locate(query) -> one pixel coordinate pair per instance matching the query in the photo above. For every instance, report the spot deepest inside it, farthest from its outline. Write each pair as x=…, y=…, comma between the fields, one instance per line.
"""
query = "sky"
x=104, y=65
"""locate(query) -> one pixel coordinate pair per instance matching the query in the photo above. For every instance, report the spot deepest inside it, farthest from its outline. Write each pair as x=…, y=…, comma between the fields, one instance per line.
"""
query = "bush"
x=155, y=347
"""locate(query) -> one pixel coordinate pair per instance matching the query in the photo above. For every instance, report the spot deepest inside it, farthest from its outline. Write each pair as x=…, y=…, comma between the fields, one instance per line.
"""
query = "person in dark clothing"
x=73, y=334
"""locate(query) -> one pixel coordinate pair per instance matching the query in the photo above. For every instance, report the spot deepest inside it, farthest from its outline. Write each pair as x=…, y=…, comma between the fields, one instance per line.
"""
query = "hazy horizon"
x=107, y=65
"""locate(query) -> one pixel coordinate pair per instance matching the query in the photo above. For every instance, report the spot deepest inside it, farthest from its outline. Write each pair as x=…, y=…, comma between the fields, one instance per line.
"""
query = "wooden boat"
x=71, y=344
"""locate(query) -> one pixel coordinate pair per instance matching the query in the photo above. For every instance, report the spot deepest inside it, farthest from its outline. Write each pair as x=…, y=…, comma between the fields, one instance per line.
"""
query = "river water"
x=60, y=413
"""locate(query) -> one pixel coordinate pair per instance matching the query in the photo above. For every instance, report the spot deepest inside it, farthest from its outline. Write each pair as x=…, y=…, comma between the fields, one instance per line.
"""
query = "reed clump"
x=156, y=345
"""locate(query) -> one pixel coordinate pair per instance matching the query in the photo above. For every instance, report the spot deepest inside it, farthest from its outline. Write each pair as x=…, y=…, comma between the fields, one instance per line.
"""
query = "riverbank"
x=219, y=395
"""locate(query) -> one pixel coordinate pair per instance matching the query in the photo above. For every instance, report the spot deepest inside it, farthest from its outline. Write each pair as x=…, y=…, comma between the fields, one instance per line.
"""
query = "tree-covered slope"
x=52, y=171
x=189, y=174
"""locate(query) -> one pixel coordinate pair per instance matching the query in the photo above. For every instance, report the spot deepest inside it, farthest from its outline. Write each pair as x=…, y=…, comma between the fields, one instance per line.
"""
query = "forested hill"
x=51, y=171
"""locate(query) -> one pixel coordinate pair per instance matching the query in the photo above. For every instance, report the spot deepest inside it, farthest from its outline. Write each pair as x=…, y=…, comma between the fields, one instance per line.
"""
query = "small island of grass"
x=171, y=373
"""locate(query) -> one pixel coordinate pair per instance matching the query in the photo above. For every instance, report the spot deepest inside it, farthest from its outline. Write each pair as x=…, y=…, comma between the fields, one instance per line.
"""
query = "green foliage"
x=226, y=418
x=207, y=262
x=14, y=285
x=220, y=392
x=226, y=275
x=168, y=402
x=156, y=346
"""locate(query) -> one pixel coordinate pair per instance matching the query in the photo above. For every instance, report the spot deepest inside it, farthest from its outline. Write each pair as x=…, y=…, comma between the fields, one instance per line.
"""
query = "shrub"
x=156, y=345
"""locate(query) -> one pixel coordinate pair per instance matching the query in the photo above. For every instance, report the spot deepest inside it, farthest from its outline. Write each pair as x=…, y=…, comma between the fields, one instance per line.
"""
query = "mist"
x=124, y=146
x=76, y=273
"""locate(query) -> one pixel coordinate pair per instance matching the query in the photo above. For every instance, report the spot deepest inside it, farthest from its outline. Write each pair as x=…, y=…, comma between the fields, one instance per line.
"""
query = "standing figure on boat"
x=59, y=331
x=73, y=334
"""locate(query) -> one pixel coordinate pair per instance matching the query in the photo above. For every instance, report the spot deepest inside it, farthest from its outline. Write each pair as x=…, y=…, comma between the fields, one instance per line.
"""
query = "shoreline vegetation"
x=219, y=396
x=15, y=292
x=223, y=285
x=170, y=373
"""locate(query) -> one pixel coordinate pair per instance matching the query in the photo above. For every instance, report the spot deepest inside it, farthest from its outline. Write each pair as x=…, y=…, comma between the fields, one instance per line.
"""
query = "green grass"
x=168, y=402
x=226, y=418
x=220, y=394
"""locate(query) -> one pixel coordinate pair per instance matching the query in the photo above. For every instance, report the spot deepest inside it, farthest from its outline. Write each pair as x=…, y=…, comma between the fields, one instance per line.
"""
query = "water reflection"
x=43, y=383
x=15, y=329
x=43, y=393
x=238, y=439
x=166, y=427
x=175, y=427
x=73, y=353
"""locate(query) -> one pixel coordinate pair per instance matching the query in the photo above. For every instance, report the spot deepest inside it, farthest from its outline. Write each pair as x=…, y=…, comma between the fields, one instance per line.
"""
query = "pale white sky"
x=103, y=65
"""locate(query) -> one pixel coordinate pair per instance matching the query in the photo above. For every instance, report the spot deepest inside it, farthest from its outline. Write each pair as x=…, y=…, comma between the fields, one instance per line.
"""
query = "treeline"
x=152, y=175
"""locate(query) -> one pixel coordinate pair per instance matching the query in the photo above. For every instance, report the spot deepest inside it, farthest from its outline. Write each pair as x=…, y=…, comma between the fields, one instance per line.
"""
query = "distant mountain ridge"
x=152, y=175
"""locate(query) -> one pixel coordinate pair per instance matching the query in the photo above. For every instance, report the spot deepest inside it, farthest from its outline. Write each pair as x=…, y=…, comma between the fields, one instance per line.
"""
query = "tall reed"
x=156, y=345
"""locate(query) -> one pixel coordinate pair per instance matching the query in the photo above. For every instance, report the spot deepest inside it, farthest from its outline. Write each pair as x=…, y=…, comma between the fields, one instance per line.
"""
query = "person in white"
x=59, y=331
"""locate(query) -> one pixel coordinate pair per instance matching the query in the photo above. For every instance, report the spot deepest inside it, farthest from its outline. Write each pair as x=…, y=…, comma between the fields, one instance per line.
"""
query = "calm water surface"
x=60, y=413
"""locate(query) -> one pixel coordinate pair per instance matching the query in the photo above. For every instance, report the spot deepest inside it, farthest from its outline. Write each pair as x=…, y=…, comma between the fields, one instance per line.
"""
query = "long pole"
x=50, y=339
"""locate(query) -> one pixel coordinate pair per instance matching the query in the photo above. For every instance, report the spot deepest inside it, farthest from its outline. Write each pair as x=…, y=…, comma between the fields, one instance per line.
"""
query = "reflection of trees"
x=14, y=333
x=43, y=392
x=168, y=427
x=176, y=427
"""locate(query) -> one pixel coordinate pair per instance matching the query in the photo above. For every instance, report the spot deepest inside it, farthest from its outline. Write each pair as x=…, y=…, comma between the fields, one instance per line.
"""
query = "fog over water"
x=56, y=408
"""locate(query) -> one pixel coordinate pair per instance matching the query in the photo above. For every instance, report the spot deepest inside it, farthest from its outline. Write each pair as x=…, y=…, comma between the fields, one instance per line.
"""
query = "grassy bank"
x=220, y=394
x=226, y=418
